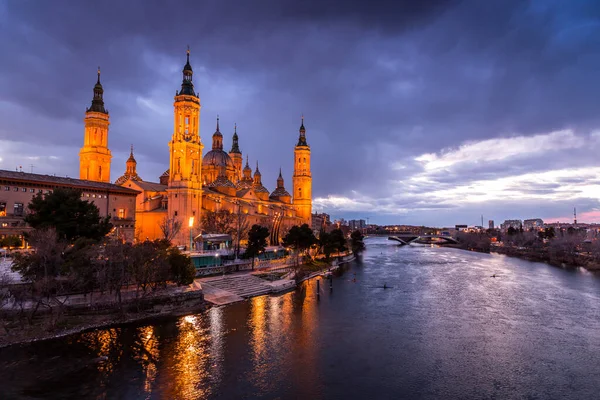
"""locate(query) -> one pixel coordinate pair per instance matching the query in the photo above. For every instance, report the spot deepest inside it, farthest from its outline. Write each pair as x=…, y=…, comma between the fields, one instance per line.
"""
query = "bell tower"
x=302, y=179
x=236, y=156
x=185, y=186
x=94, y=156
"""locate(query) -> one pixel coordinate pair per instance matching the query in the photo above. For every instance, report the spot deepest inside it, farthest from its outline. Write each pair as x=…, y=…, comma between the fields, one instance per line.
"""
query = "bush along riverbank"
x=567, y=250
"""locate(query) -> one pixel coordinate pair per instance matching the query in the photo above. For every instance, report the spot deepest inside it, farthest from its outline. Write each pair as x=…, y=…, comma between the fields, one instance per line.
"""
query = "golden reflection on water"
x=217, y=335
x=106, y=345
x=258, y=341
x=189, y=375
x=147, y=355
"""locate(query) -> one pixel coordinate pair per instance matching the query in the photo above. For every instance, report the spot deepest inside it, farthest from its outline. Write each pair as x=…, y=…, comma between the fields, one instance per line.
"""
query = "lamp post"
x=191, y=225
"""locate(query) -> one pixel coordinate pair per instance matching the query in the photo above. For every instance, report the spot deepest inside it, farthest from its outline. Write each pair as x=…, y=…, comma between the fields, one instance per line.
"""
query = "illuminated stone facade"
x=194, y=184
x=18, y=188
x=94, y=157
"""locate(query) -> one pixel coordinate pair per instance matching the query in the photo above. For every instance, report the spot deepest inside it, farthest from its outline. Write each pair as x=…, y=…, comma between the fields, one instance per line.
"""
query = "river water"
x=445, y=329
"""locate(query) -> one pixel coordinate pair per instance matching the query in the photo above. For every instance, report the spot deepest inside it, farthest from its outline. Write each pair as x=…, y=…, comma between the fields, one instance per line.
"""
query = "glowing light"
x=191, y=222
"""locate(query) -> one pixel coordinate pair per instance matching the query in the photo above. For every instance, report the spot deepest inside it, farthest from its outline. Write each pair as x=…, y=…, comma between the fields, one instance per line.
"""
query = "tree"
x=257, y=241
x=11, y=241
x=47, y=260
x=339, y=240
x=235, y=225
x=300, y=238
x=357, y=244
x=170, y=227
x=182, y=269
x=219, y=222
x=326, y=244
x=69, y=215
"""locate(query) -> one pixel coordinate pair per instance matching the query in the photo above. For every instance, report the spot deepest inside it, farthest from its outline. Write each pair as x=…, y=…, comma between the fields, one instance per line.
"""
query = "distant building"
x=511, y=223
x=320, y=222
x=461, y=228
x=535, y=224
x=491, y=224
x=357, y=224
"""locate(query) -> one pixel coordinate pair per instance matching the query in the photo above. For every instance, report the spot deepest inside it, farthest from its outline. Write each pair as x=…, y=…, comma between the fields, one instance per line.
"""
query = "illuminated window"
x=2, y=209
x=94, y=196
x=121, y=213
x=23, y=189
x=16, y=189
x=6, y=187
x=31, y=190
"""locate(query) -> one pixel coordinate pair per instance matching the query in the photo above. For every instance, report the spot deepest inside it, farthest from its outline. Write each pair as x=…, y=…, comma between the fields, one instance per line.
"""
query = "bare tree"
x=219, y=222
x=170, y=227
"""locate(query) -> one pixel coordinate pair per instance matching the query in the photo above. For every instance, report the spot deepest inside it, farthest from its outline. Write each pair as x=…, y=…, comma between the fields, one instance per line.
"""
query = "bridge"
x=408, y=239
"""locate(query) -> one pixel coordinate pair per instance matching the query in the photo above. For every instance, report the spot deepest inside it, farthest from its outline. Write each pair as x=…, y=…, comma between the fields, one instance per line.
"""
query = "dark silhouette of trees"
x=170, y=227
x=71, y=217
x=11, y=241
x=257, y=241
x=356, y=242
x=300, y=238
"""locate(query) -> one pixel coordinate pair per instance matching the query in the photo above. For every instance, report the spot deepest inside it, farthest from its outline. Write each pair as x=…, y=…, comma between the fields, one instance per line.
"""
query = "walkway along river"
x=445, y=329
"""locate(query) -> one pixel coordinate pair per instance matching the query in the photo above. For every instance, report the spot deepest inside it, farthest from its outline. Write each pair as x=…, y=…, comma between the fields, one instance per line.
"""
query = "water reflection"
x=147, y=355
x=445, y=330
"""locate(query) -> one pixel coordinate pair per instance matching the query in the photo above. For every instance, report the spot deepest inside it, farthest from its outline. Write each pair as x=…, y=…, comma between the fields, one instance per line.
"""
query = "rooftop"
x=18, y=176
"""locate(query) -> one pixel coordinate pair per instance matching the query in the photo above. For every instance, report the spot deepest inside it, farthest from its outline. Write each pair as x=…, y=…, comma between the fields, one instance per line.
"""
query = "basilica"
x=194, y=184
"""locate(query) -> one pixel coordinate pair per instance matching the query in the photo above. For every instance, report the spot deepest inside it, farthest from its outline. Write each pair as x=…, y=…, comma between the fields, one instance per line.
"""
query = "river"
x=444, y=329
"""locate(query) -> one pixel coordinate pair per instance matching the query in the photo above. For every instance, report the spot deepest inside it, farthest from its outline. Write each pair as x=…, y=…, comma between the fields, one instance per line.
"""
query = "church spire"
x=235, y=147
x=257, y=175
x=187, y=86
x=98, y=100
x=280, y=179
x=302, y=138
x=217, y=138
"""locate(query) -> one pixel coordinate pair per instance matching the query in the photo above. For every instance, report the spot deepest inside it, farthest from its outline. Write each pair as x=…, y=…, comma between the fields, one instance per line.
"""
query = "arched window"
x=299, y=192
x=100, y=172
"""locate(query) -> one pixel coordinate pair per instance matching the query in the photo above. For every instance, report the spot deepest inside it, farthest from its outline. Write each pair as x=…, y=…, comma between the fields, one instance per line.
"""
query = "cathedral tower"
x=236, y=156
x=94, y=156
x=185, y=186
x=302, y=179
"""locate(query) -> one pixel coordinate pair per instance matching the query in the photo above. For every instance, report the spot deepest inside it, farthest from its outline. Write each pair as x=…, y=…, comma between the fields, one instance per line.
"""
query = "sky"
x=427, y=113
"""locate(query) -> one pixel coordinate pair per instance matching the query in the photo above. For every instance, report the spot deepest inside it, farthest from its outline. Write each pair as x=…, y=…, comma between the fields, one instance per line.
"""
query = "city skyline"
x=425, y=115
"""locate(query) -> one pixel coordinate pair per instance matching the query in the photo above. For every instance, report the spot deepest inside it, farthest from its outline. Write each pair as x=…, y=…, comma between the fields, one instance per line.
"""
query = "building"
x=511, y=223
x=357, y=224
x=18, y=188
x=192, y=184
x=320, y=222
x=533, y=224
x=491, y=224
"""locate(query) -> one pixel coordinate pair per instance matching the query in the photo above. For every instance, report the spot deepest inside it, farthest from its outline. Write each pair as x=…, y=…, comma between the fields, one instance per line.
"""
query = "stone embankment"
x=56, y=320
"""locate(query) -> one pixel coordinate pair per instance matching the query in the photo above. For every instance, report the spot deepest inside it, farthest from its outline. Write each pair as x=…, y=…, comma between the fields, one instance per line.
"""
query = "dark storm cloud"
x=380, y=82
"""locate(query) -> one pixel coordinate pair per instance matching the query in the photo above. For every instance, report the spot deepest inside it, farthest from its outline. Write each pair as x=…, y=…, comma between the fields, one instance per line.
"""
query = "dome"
x=244, y=184
x=280, y=192
x=217, y=158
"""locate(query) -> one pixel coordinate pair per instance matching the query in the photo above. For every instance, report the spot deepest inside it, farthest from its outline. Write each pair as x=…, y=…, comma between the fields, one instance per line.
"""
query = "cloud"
x=405, y=102
x=501, y=149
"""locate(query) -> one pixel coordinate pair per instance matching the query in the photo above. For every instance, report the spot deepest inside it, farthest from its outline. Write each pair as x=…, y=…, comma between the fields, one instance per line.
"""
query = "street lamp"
x=191, y=225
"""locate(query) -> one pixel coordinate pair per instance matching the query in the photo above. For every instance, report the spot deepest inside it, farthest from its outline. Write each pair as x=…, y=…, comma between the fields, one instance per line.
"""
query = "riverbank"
x=55, y=322
x=52, y=322
x=565, y=260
